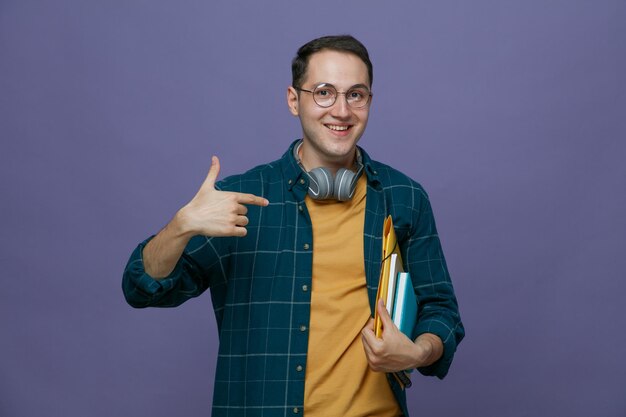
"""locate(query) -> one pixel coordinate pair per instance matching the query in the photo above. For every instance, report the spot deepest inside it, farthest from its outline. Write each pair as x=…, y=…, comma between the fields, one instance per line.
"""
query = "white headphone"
x=322, y=185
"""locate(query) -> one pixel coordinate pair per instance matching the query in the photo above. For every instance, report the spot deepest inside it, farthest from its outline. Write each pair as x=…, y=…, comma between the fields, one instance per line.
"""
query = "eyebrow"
x=348, y=89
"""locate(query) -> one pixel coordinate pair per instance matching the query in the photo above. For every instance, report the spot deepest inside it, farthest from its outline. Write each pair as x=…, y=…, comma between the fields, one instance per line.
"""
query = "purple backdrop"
x=512, y=117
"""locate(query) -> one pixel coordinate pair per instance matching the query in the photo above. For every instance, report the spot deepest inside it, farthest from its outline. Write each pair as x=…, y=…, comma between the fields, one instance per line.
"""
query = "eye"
x=324, y=92
x=357, y=94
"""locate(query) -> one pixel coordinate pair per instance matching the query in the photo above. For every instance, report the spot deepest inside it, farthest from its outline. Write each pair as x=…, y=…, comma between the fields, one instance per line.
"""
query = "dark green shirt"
x=260, y=284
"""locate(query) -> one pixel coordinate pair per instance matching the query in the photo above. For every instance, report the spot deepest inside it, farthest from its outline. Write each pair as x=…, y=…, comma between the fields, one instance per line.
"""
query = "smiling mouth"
x=338, y=128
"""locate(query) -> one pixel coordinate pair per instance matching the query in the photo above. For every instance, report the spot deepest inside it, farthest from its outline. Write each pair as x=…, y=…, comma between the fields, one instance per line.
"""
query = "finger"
x=242, y=221
x=368, y=333
x=384, y=314
x=369, y=342
x=239, y=231
x=251, y=199
x=369, y=337
x=367, y=347
x=241, y=210
x=213, y=173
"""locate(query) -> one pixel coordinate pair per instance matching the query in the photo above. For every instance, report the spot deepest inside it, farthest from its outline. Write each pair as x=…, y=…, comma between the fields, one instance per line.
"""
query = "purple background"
x=511, y=114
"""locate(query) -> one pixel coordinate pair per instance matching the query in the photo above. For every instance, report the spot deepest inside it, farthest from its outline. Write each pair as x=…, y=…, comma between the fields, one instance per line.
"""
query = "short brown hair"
x=341, y=43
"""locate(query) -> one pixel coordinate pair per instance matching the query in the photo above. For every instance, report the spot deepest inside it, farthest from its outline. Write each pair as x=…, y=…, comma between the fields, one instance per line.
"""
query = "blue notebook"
x=405, y=304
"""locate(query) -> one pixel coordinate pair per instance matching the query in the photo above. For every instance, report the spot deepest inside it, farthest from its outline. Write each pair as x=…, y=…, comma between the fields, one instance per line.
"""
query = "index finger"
x=368, y=335
x=251, y=199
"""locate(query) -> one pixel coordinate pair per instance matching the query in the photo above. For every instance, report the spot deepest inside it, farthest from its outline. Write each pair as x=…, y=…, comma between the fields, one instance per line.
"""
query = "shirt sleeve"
x=438, y=307
x=198, y=268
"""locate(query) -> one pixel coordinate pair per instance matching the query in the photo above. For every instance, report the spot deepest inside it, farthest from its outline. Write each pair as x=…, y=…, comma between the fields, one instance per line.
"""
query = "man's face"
x=330, y=134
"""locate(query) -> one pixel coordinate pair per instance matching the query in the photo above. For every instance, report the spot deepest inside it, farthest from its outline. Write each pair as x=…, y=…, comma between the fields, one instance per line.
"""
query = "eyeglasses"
x=325, y=95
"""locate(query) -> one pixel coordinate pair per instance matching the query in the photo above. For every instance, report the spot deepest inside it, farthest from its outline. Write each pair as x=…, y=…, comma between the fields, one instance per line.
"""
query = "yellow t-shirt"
x=338, y=380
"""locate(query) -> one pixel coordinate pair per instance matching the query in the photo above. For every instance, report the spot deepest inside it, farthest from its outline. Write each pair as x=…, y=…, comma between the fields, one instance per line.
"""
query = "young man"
x=291, y=251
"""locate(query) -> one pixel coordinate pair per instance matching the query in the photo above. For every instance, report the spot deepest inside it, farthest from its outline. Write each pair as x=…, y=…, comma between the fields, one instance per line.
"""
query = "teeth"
x=333, y=127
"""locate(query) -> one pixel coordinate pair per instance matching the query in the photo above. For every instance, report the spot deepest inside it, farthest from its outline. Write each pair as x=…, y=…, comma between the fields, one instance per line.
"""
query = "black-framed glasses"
x=325, y=95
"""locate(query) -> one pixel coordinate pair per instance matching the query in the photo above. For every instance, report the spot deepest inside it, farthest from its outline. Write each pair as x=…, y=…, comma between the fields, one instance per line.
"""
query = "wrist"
x=429, y=349
x=182, y=225
x=422, y=352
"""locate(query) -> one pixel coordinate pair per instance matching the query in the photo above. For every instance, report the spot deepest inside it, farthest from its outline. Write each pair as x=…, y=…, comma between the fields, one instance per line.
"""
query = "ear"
x=292, y=101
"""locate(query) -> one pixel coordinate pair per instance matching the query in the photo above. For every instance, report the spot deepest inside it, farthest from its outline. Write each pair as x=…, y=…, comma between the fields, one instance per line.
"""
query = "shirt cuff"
x=140, y=289
x=448, y=336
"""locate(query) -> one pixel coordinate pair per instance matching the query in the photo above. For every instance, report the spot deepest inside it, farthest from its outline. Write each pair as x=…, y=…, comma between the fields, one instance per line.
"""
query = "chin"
x=339, y=153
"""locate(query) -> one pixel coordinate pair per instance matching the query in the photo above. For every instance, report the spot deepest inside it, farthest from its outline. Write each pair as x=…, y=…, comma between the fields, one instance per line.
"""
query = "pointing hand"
x=218, y=213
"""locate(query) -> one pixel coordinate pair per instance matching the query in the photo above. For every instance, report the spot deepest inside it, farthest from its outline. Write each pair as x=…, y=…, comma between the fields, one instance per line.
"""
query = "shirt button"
x=302, y=181
x=306, y=246
x=299, y=368
x=305, y=288
x=290, y=182
x=302, y=328
x=300, y=207
x=296, y=410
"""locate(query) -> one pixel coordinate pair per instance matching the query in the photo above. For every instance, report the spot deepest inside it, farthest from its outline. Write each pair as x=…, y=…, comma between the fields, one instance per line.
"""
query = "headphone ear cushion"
x=321, y=183
x=345, y=181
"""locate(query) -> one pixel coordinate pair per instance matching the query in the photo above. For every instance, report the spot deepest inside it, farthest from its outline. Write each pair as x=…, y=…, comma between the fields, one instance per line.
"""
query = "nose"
x=340, y=108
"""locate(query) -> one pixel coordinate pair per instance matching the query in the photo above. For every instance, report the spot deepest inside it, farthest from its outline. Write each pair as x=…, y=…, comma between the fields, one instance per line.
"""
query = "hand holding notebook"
x=395, y=290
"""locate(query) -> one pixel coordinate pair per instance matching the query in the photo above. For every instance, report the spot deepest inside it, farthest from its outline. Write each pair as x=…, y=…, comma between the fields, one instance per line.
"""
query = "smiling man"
x=291, y=252
x=331, y=128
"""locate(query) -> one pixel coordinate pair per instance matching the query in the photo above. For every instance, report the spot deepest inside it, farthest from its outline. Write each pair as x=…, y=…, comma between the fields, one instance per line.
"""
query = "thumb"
x=213, y=173
x=384, y=315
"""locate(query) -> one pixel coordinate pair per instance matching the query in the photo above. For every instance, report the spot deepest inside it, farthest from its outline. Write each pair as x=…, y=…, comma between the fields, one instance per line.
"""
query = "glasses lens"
x=325, y=95
x=357, y=97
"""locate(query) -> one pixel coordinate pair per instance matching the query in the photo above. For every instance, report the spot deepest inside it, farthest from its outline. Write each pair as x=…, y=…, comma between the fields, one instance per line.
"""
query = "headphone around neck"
x=322, y=184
